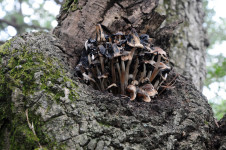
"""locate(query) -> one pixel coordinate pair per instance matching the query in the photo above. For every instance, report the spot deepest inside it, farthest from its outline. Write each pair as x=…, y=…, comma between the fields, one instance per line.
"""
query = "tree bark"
x=188, y=44
x=35, y=78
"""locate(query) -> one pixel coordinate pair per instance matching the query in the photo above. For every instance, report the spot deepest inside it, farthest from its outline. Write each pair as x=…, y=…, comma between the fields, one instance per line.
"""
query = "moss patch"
x=29, y=71
x=70, y=5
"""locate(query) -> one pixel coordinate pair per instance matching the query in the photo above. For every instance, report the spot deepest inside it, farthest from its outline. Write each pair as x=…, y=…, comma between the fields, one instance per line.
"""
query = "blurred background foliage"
x=216, y=61
x=19, y=16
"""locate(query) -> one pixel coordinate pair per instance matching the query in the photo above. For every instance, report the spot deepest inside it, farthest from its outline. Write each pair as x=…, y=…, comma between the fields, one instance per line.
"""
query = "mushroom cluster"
x=124, y=64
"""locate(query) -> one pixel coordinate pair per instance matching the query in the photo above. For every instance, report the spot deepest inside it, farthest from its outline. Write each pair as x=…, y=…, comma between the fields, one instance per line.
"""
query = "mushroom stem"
x=143, y=73
x=123, y=77
x=135, y=69
x=149, y=74
x=102, y=69
x=128, y=66
x=101, y=84
x=156, y=70
x=113, y=71
x=99, y=34
x=156, y=84
x=91, y=79
x=89, y=59
x=102, y=63
x=164, y=79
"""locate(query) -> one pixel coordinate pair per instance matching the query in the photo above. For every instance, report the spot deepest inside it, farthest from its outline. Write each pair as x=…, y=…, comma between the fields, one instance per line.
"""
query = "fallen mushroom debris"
x=124, y=64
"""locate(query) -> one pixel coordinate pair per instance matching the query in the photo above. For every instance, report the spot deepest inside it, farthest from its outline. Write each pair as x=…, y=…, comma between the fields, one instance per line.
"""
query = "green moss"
x=70, y=5
x=20, y=69
x=104, y=124
x=24, y=66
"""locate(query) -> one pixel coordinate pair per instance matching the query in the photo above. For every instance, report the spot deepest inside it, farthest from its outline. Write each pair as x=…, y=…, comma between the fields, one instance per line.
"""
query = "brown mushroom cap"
x=149, y=89
x=160, y=51
x=131, y=89
x=103, y=76
x=133, y=39
x=141, y=93
x=112, y=85
x=100, y=34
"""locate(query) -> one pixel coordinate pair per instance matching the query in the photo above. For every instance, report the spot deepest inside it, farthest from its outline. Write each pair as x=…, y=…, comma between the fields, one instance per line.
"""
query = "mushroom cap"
x=131, y=89
x=163, y=66
x=133, y=39
x=141, y=93
x=126, y=55
x=134, y=82
x=103, y=76
x=145, y=40
x=102, y=49
x=159, y=51
x=112, y=85
x=149, y=89
x=116, y=50
x=100, y=34
x=119, y=33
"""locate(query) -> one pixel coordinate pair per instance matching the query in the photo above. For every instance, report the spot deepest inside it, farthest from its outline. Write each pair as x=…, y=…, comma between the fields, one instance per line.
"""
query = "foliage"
x=25, y=15
x=219, y=109
x=216, y=64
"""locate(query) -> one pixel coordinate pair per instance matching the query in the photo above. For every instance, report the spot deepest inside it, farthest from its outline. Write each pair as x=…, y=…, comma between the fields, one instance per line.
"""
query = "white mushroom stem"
x=128, y=66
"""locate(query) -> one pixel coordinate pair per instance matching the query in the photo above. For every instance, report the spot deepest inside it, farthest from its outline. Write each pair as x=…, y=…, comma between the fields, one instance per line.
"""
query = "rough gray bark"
x=188, y=44
x=179, y=118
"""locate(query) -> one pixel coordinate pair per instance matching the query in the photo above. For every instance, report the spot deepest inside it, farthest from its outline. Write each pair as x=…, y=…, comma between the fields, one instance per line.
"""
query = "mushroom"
x=122, y=79
x=112, y=85
x=132, y=90
x=123, y=56
x=143, y=74
x=100, y=34
x=118, y=37
x=160, y=51
x=128, y=65
x=156, y=70
x=133, y=39
x=135, y=71
x=149, y=89
x=141, y=93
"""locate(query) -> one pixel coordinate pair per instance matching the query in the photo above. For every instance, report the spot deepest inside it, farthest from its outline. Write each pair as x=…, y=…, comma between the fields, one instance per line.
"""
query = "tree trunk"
x=188, y=46
x=42, y=105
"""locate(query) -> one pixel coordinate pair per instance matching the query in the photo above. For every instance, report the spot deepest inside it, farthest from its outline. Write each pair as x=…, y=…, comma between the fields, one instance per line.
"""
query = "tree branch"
x=17, y=26
x=9, y=23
